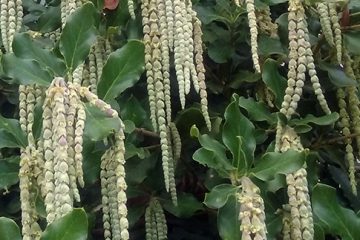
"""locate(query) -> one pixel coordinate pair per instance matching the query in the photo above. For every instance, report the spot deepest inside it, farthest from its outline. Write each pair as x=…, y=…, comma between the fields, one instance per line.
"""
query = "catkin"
x=252, y=214
x=300, y=60
x=113, y=190
x=250, y=8
x=323, y=11
x=155, y=221
x=10, y=21
x=301, y=220
x=336, y=29
x=265, y=23
x=345, y=125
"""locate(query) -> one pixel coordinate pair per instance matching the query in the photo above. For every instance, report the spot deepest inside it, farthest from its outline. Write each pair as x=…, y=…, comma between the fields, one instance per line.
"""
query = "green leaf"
x=257, y=111
x=8, y=174
x=187, y=205
x=25, y=71
x=274, y=80
x=269, y=46
x=50, y=20
x=337, y=75
x=72, y=226
x=132, y=109
x=122, y=70
x=219, y=195
x=98, y=125
x=274, y=163
x=9, y=230
x=26, y=48
x=322, y=121
x=7, y=140
x=238, y=136
x=228, y=220
x=212, y=154
x=331, y=216
x=351, y=41
x=12, y=127
x=78, y=35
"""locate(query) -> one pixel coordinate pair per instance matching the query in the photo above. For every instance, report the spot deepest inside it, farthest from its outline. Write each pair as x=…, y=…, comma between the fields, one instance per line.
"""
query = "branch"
x=146, y=132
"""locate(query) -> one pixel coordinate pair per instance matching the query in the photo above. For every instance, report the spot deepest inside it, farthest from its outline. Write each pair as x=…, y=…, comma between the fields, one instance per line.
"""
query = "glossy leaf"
x=274, y=163
x=337, y=75
x=331, y=216
x=238, y=136
x=219, y=195
x=351, y=41
x=9, y=230
x=12, y=127
x=98, y=125
x=274, y=80
x=122, y=70
x=8, y=174
x=212, y=154
x=25, y=71
x=228, y=220
x=72, y=226
x=26, y=48
x=269, y=46
x=78, y=35
x=187, y=205
x=7, y=140
x=257, y=111
x=322, y=121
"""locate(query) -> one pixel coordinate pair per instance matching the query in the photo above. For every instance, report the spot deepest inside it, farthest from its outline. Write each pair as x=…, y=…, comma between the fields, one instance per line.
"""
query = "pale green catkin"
x=265, y=23
x=345, y=125
x=63, y=200
x=105, y=194
x=10, y=21
x=160, y=220
x=300, y=60
x=70, y=107
x=252, y=211
x=131, y=9
x=286, y=221
x=149, y=224
x=30, y=228
x=145, y=7
x=200, y=68
x=165, y=57
x=172, y=164
x=48, y=186
x=155, y=221
x=250, y=8
x=301, y=218
x=336, y=29
x=113, y=190
x=324, y=15
x=179, y=47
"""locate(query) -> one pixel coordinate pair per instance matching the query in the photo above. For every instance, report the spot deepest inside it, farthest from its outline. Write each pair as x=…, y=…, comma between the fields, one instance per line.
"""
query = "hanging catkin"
x=301, y=220
x=155, y=221
x=252, y=214
x=10, y=21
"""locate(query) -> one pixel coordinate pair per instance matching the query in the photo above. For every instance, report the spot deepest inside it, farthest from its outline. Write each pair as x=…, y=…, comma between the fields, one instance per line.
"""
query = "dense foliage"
x=218, y=119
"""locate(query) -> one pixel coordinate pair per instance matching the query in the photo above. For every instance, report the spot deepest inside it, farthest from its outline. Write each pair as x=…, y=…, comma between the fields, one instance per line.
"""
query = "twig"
x=334, y=140
x=146, y=132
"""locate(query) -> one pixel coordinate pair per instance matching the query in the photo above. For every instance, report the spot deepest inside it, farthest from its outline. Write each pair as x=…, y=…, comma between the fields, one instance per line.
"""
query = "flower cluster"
x=252, y=215
x=10, y=21
x=113, y=187
x=155, y=221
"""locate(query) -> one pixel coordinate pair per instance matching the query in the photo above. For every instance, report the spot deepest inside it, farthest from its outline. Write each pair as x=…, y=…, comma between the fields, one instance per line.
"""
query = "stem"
x=334, y=140
x=146, y=132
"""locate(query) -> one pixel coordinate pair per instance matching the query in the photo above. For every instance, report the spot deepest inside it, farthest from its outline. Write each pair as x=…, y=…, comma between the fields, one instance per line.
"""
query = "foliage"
x=244, y=108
